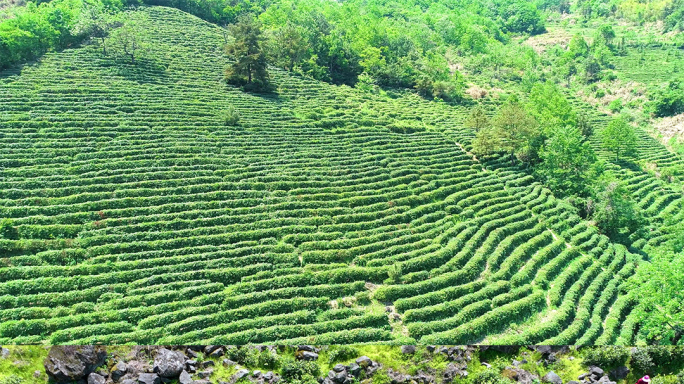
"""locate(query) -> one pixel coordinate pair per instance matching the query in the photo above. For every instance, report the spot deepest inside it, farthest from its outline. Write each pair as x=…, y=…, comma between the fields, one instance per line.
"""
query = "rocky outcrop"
x=168, y=363
x=68, y=363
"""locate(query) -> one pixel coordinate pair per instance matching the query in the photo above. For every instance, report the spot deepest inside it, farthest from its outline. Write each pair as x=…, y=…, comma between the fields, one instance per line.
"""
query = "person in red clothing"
x=644, y=380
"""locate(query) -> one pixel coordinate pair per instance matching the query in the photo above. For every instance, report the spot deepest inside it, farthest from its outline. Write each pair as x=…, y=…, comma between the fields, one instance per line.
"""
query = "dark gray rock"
x=149, y=378
x=604, y=379
x=596, y=371
x=339, y=368
x=364, y=362
x=169, y=363
x=339, y=377
x=307, y=356
x=196, y=348
x=268, y=376
x=69, y=363
x=185, y=378
x=256, y=373
x=129, y=381
x=207, y=363
x=217, y=353
x=430, y=348
x=355, y=369
x=619, y=373
x=453, y=372
x=210, y=348
x=573, y=382
x=190, y=353
x=205, y=374
x=408, y=349
x=582, y=376
x=552, y=378
x=4, y=353
x=118, y=370
x=94, y=378
x=308, y=348
x=424, y=378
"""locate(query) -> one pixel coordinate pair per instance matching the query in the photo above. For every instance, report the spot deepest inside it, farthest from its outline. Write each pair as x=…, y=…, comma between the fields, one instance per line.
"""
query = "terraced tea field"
x=143, y=218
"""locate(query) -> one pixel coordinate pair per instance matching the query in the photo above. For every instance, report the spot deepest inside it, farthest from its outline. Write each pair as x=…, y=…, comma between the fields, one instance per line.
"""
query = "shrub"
x=231, y=117
x=8, y=230
x=615, y=105
x=342, y=353
x=490, y=376
x=606, y=356
x=299, y=370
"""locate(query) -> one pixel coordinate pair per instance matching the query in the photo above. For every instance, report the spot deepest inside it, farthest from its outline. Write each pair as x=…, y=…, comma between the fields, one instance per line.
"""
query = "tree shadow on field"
x=142, y=71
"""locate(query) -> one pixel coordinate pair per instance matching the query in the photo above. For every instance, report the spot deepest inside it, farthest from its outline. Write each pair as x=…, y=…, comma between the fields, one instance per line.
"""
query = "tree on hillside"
x=130, y=37
x=660, y=288
x=97, y=23
x=250, y=66
x=566, y=161
x=478, y=119
x=619, y=137
x=288, y=46
x=512, y=130
x=578, y=47
x=613, y=209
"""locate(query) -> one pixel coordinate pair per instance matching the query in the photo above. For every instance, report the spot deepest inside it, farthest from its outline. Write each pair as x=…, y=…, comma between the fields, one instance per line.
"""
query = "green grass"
x=24, y=360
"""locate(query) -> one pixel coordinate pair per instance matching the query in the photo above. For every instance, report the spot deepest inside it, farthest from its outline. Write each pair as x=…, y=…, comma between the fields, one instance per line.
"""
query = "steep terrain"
x=328, y=215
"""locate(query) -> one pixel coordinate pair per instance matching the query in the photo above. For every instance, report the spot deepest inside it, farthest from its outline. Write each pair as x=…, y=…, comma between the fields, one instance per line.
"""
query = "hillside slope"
x=143, y=218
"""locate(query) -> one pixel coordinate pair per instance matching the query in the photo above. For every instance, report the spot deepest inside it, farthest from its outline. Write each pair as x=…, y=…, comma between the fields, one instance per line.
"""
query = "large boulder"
x=552, y=378
x=364, y=361
x=68, y=363
x=168, y=363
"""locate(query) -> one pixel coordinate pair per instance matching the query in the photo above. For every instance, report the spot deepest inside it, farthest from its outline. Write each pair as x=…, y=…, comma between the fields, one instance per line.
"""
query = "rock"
x=355, y=369
x=37, y=374
x=217, y=353
x=424, y=378
x=604, y=379
x=306, y=355
x=69, y=363
x=519, y=375
x=543, y=349
x=339, y=368
x=94, y=378
x=430, y=348
x=228, y=363
x=169, y=363
x=573, y=382
x=4, y=353
x=256, y=373
x=308, y=348
x=196, y=348
x=453, y=372
x=129, y=381
x=516, y=363
x=207, y=363
x=149, y=378
x=596, y=371
x=552, y=378
x=619, y=373
x=210, y=348
x=240, y=375
x=486, y=365
x=364, y=361
x=118, y=370
x=191, y=354
x=185, y=378
x=205, y=374
x=408, y=349
x=268, y=376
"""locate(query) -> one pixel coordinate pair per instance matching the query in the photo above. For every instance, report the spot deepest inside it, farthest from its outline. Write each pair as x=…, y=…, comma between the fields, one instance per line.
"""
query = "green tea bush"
x=606, y=356
x=342, y=353
x=231, y=117
x=299, y=370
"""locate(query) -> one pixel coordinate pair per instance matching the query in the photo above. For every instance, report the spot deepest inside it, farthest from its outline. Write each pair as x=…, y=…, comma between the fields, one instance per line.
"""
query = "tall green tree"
x=478, y=119
x=513, y=130
x=250, y=66
x=566, y=162
x=130, y=38
x=660, y=288
x=619, y=137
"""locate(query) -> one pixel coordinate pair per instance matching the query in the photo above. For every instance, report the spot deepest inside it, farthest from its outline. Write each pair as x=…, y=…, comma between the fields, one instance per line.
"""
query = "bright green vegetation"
x=145, y=201
x=664, y=364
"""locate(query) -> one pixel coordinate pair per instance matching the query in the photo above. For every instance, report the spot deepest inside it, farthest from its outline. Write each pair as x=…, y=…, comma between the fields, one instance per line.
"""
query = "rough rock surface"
x=552, y=378
x=94, y=378
x=149, y=378
x=69, y=363
x=169, y=363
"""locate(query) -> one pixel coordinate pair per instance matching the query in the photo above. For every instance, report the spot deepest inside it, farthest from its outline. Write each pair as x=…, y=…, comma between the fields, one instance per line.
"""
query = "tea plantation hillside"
x=327, y=215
